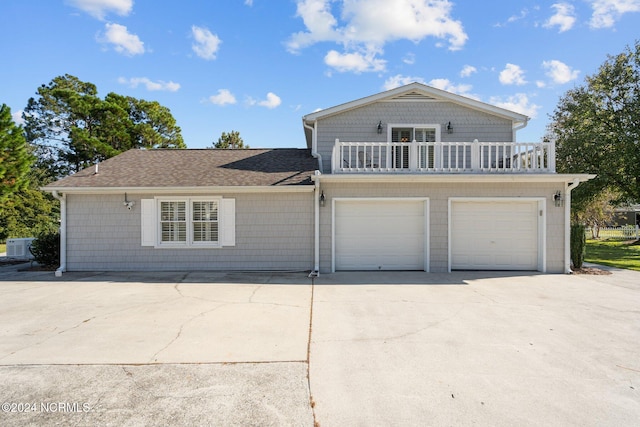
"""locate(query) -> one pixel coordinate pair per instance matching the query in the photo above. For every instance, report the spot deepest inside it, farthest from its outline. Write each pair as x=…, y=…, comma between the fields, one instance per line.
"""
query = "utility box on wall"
x=19, y=248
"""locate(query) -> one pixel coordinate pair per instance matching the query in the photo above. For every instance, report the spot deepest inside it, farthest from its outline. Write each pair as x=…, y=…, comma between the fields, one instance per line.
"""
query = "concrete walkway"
x=353, y=349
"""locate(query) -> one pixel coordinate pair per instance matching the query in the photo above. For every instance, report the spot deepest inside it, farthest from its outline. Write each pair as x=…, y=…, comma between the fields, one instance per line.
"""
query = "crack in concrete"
x=254, y=293
x=396, y=337
x=83, y=322
x=154, y=359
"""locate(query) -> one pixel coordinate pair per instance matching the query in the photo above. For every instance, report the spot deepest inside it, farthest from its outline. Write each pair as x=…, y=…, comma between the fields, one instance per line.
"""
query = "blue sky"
x=258, y=66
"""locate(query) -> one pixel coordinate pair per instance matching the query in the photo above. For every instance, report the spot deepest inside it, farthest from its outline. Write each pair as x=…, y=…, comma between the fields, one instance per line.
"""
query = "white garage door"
x=380, y=235
x=494, y=235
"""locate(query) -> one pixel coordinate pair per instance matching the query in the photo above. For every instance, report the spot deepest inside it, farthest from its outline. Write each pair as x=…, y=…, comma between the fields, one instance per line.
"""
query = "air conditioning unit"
x=19, y=248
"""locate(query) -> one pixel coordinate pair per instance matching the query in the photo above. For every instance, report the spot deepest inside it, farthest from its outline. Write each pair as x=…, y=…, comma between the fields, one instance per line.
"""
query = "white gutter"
x=567, y=225
x=63, y=232
x=194, y=190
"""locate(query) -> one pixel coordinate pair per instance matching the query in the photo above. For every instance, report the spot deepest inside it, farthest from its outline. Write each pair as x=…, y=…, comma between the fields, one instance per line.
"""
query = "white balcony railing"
x=447, y=157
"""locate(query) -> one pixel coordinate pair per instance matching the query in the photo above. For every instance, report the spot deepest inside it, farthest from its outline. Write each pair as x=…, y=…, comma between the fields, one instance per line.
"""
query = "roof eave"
x=298, y=188
x=454, y=178
x=437, y=93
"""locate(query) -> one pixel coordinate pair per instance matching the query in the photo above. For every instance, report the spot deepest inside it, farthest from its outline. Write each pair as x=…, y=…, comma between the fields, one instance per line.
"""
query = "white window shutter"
x=228, y=209
x=148, y=221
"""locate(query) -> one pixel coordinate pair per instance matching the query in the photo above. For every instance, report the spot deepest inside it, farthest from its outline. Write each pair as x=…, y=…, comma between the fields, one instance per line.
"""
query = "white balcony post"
x=437, y=155
x=336, y=157
x=413, y=156
x=475, y=155
x=552, y=156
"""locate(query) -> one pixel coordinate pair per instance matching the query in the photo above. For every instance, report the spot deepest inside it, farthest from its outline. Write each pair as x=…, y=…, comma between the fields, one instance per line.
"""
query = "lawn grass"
x=613, y=253
x=3, y=248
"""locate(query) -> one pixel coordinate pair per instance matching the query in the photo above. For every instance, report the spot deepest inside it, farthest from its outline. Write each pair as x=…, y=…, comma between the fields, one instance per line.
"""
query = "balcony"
x=443, y=157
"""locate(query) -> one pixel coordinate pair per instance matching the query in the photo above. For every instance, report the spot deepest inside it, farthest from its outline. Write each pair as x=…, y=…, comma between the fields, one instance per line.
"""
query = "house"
x=414, y=178
x=626, y=215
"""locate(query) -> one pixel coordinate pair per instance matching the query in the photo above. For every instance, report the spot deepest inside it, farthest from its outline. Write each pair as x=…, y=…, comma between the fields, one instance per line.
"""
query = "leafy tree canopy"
x=597, y=129
x=72, y=128
x=15, y=159
x=230, y=140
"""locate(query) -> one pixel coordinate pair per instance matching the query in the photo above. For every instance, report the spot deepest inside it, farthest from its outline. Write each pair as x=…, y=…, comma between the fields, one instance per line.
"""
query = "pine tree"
x=15, y=159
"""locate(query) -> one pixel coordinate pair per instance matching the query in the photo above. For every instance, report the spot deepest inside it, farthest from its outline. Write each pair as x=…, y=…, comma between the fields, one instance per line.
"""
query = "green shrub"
x=578, y=245
x=46, y=249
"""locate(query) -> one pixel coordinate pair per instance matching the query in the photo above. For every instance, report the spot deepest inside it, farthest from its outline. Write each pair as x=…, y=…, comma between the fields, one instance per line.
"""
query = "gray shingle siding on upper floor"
x=360, y=124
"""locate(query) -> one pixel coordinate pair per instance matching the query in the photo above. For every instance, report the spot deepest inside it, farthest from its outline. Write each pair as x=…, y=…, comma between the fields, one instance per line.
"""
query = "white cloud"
x=363, y=27
x=355, y=62
x=400, y=80
x=607, y=12
x=17, y=117
x=248, y=2
x=99, y=8
x=223, y=97
x=523, y=14
x=447, y=85
x=206, y=44
x=272, y=101
x=519, y=103
x=559, y=72
x=512, y=75
x=467, y=70
x=564, y=18
x=134, y=82
x=409, y=59
x=122, y=41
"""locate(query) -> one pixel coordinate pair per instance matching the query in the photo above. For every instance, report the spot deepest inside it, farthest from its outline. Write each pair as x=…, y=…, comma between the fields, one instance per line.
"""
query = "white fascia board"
x=452, y=178
x=190, y=190
x=517, y=118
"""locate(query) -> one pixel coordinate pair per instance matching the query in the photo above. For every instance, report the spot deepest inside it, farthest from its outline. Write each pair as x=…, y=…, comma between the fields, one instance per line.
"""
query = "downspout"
x=567, y=225
x=314, y=142
x=63, y=232
x=517, y=126
x=316, y=203
x=316, y=226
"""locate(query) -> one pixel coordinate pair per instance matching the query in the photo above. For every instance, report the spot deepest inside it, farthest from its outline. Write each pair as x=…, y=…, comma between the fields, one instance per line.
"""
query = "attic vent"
x=414, y=96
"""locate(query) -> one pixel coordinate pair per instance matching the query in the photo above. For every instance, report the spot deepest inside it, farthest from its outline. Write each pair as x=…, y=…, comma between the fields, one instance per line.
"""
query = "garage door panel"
x=494, y=235
x=380, y=235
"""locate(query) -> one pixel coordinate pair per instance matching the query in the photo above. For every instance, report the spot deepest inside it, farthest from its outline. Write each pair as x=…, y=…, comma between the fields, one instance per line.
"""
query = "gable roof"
x=418, y=91
x=155, y=169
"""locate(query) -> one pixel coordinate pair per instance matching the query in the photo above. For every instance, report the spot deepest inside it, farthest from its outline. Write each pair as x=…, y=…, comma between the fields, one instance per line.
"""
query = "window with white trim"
x=403, y=136
x=188, y=222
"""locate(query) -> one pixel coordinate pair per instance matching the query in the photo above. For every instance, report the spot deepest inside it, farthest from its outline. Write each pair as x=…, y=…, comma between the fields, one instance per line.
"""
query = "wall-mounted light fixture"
x=129, y=204
x=322, y=199
x=379, y=126
x=558, y=201
x=449, y=128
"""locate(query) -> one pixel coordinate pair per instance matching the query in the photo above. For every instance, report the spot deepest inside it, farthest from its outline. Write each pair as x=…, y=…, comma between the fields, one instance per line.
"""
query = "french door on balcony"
x=402, y=137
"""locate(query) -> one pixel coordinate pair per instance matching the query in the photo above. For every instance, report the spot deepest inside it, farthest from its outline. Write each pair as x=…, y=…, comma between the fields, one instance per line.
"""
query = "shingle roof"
x=197, y=168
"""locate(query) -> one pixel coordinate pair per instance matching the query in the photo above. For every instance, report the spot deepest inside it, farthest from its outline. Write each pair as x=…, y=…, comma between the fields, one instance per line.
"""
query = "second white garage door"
x=380, y=234
x=495, y=235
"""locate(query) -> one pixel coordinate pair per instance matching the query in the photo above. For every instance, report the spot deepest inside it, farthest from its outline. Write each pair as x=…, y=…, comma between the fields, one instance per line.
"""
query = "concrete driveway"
x=383, y=349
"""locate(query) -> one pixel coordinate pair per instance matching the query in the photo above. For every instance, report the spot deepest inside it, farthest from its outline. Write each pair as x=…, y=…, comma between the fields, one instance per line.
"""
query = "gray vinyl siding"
x=274, y=231
x=439, y=194
x=360, y=125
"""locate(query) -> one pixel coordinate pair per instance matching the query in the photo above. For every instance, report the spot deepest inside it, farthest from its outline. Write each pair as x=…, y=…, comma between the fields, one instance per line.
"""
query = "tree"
x=230, y=140
x=15, y=159
x=28, y=213
x=597, y=212
x=596, y=128
x=72, y=128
